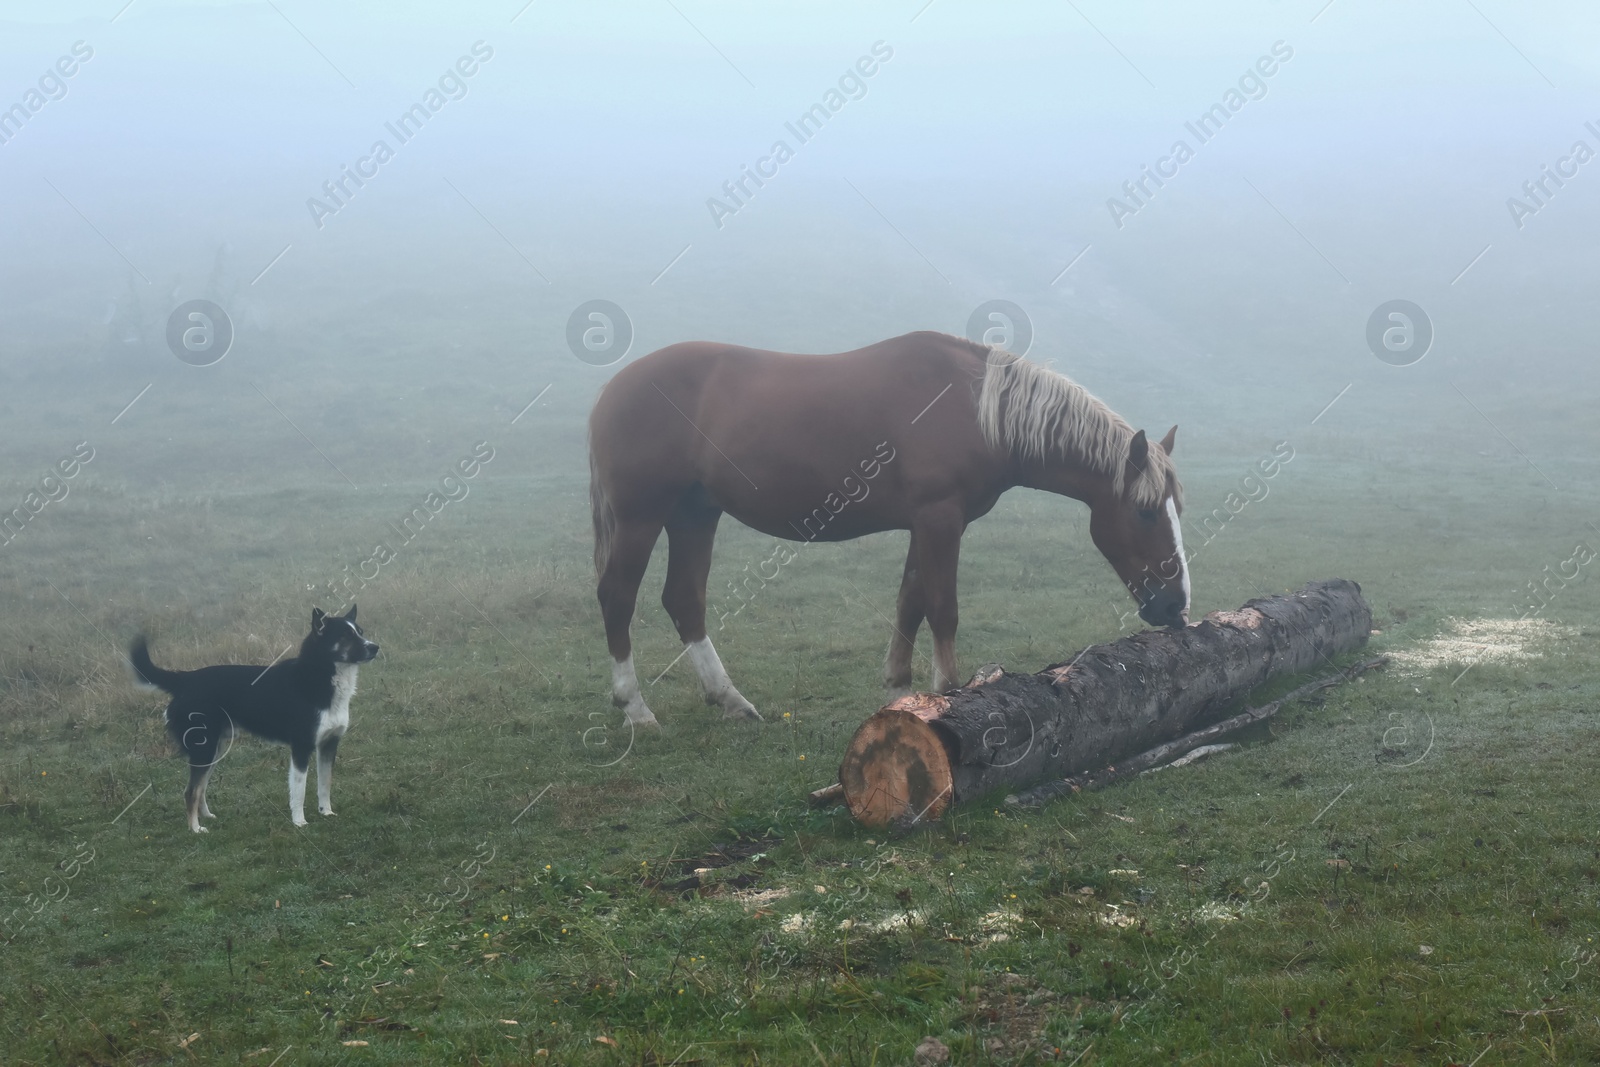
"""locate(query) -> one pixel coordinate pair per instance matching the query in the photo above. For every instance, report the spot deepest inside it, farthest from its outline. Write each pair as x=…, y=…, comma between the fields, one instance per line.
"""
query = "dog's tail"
x=605, y=518
x=149, y=673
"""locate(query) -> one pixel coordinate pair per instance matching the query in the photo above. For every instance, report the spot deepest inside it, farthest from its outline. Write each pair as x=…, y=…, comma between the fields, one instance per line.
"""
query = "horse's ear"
x=1167, y=441
x=1138, y=451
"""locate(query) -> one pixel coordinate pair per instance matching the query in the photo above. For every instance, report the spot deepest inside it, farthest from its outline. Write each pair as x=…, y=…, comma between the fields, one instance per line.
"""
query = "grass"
x=1404, y=873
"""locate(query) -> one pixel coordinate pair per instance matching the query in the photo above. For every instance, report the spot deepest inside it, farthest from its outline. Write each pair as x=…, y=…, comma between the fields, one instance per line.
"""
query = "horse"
x=921, y=432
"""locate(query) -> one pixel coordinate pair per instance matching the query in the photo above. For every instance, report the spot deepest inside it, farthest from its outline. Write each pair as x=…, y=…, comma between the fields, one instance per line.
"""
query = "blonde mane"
x=1037, y=414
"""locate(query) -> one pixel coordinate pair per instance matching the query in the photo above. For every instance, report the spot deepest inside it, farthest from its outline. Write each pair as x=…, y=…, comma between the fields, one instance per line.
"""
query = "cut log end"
x=896, y=769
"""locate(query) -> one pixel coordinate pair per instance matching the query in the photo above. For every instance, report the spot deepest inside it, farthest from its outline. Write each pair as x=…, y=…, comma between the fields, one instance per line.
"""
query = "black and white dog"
x=302, y=702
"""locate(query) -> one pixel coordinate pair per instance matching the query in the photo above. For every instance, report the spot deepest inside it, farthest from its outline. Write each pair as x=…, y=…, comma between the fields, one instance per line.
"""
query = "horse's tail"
x=605, y=518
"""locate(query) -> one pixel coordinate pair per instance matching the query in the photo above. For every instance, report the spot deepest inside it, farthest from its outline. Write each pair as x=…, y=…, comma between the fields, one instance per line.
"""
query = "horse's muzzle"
x=1170, y=612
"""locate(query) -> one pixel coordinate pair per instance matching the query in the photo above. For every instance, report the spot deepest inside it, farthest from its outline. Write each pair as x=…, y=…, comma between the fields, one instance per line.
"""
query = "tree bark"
x=1172, y=752
x=918, y=755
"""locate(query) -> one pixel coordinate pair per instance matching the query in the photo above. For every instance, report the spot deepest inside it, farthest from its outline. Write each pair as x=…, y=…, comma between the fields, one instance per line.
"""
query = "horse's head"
x=1141, y=537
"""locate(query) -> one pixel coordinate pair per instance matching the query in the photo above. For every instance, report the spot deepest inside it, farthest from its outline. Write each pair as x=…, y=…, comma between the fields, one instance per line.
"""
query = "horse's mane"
x=1036, y=414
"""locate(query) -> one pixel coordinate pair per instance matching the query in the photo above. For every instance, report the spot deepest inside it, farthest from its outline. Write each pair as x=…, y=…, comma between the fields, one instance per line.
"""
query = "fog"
x=303, y=303
x=1356, y=154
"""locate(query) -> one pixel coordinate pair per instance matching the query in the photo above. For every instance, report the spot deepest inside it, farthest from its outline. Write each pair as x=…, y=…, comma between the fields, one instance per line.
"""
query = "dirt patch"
x=1011, y=1013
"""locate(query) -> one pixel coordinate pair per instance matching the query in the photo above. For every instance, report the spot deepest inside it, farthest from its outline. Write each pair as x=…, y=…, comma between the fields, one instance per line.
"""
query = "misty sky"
x=580, y=157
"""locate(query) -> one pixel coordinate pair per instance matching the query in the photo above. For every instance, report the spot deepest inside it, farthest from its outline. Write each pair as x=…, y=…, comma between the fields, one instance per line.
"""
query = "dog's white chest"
x=336, y=720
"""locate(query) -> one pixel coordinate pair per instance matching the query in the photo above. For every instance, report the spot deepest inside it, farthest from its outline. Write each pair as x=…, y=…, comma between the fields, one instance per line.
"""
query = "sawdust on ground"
x=1479, y=641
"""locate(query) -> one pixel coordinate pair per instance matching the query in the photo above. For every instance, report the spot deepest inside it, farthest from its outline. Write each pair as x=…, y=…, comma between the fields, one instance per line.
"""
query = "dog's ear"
x=317, y=615
x=351, y=614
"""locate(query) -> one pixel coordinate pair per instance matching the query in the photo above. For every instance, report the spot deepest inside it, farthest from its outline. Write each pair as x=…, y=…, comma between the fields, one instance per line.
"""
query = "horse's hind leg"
x=618, y=591
x=690, y=533
x=908, y=619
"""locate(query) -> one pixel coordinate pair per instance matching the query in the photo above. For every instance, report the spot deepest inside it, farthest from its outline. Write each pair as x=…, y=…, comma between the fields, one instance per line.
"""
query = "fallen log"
x=919, y=754
x=1173, y=753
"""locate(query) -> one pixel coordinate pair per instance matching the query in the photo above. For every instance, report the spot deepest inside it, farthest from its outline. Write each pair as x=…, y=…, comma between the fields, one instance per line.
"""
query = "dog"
x=302, y=702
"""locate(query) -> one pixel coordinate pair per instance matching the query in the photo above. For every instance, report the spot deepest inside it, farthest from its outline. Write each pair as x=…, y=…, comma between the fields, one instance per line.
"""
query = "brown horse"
x=920, y=433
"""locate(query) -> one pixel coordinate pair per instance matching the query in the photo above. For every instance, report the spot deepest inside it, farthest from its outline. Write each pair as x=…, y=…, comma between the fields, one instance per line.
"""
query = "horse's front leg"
x=937, y=536
x=690, y=535
x=908, y=619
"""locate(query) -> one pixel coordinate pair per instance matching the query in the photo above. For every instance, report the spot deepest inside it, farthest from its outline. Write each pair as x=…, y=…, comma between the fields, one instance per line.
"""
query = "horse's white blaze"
x=1177, y=541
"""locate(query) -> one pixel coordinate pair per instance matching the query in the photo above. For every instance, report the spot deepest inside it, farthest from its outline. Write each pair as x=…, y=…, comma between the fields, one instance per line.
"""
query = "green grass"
x=1384, y=877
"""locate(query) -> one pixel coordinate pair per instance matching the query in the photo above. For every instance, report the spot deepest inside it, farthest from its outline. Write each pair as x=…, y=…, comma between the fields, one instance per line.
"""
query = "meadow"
x=1403, y=872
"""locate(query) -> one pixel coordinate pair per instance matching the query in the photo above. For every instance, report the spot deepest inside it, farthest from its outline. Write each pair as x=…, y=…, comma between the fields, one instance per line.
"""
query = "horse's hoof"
x=895, y=692
x=642, y=716
x=744, y=711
